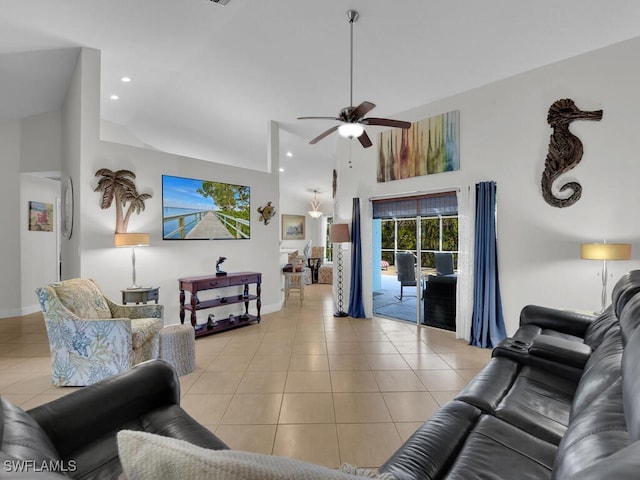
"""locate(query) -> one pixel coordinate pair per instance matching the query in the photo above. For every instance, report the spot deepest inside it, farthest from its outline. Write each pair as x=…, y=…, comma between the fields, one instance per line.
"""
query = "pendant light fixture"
x=315, y=205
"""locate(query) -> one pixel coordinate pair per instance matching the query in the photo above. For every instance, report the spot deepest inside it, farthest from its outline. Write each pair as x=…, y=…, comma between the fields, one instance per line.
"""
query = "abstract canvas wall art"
x=430, y=146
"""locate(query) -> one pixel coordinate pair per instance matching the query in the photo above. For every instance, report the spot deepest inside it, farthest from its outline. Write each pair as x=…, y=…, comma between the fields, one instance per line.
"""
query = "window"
x=438, y=225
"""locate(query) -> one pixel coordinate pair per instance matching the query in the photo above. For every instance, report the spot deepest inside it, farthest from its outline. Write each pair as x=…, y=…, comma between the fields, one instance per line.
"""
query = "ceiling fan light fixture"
x=350, y=130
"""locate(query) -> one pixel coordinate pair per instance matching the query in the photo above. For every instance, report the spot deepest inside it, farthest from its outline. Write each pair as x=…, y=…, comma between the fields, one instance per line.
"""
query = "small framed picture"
x=40, y=217
x=293, y=227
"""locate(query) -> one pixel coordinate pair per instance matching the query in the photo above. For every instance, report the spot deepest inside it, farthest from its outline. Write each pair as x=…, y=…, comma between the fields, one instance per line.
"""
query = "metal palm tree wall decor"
x=120, y=186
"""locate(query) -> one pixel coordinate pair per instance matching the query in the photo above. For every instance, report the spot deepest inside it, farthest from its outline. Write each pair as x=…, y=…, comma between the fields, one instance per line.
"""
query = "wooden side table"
x=140, y=295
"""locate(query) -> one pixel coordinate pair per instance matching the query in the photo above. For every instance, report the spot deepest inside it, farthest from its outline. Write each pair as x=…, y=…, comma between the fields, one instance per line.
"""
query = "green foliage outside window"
x=430, y=242
x=232, y=200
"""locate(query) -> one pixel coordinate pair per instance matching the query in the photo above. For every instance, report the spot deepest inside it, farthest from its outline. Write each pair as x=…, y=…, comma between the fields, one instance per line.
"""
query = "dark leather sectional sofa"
x=75, y=435
x=559, y=400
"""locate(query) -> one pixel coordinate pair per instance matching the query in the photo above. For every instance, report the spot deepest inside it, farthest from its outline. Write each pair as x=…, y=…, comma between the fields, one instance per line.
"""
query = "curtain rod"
x=415, y=193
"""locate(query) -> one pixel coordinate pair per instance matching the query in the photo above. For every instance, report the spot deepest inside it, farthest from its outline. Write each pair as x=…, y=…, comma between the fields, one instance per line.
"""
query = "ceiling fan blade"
x=320, y=118
x=324, y=134
x=365, y=141
x=362, y=109
x=386, y=122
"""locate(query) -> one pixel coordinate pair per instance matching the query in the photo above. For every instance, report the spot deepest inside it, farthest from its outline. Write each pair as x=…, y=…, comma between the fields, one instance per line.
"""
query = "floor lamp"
x=132, y=240
x=340, y=234
x=605, y=252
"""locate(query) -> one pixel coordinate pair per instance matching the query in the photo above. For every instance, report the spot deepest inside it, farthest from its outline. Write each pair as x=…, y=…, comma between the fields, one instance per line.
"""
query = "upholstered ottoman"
x=325, y=274
x=178, y=347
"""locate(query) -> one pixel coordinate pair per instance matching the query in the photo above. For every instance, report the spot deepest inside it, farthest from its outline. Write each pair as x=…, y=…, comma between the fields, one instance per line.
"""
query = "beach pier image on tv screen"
x=194, y=209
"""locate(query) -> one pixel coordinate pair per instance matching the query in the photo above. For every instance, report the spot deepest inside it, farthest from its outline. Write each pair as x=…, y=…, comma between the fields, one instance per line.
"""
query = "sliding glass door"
x=397, y=225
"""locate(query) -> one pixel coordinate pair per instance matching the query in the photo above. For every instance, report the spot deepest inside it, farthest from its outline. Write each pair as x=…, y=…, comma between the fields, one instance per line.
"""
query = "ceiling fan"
x=352, y=118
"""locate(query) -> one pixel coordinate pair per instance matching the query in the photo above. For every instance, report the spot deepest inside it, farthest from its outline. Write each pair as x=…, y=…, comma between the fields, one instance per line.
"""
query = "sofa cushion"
x=498, y=450
x=146, y=456
x=601, y=370
x=539, y=403
x=630, y=318
x=597, y=432
x=622, y=465
x=631, y=387
x=21, y=437
x=624, y=290
x=83, y=298
x=600, y=328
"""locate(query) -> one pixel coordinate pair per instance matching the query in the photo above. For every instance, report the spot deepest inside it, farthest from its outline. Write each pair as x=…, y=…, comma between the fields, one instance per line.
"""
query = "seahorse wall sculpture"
x=565, y=150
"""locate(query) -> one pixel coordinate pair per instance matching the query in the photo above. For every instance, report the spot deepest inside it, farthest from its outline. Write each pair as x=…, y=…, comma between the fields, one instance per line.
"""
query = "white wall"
x=504, y=137
x=29, y=259
x=38, y=252
x=163, y=262
x=10, y=295
x=70, y=163
x=41, y=143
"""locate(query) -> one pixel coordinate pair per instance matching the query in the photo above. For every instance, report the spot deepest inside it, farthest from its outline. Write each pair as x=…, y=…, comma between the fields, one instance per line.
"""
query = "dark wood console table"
x=210, y=282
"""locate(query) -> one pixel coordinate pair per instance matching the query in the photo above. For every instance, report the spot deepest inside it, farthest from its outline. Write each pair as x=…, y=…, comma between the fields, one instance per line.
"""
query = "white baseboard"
x=19, y=312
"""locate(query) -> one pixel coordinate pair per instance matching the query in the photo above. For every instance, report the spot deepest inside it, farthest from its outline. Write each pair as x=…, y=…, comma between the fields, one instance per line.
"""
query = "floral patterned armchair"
x=92, y=338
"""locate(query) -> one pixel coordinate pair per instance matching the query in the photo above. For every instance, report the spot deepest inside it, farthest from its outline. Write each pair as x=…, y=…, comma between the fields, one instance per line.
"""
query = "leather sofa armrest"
x=429, y=452
x=560, y=350
x=87, y=414
x=564, y=321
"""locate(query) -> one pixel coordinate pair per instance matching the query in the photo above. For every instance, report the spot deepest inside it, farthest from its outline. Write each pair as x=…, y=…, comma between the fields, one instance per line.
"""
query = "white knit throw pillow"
x=146, y=456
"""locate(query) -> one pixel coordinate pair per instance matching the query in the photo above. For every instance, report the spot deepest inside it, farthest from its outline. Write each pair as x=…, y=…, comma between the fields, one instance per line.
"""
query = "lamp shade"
x=605, y=251
x=131, y=240
x=340, y=233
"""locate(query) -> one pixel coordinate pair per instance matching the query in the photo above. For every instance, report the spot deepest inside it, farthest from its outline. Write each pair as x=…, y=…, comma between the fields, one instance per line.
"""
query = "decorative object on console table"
x=220, y=273
x=132, y=240
x=605, y=252
x=140, y=295
x=565, y=150
x=210, y=282
x=340, y=234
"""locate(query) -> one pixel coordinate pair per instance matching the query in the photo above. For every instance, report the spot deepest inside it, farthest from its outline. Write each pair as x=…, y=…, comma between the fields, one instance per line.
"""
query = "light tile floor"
x=302, y=383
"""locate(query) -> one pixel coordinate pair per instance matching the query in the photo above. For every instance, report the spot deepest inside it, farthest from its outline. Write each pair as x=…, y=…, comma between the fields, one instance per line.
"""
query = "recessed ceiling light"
x=281, y=169
x=289, y=154
x=114, y=97
x=126, y=79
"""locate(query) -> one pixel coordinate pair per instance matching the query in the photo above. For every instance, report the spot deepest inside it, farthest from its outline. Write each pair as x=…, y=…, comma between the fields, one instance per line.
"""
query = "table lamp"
x=340, y=234
x=605, y=252
x=132, y=240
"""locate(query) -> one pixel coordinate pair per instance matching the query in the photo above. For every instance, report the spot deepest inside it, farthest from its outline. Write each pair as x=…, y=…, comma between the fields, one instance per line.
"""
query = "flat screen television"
x=195, y=209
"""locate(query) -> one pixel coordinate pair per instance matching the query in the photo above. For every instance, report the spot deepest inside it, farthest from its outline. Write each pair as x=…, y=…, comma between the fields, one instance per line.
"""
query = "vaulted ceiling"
x=206, y=79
